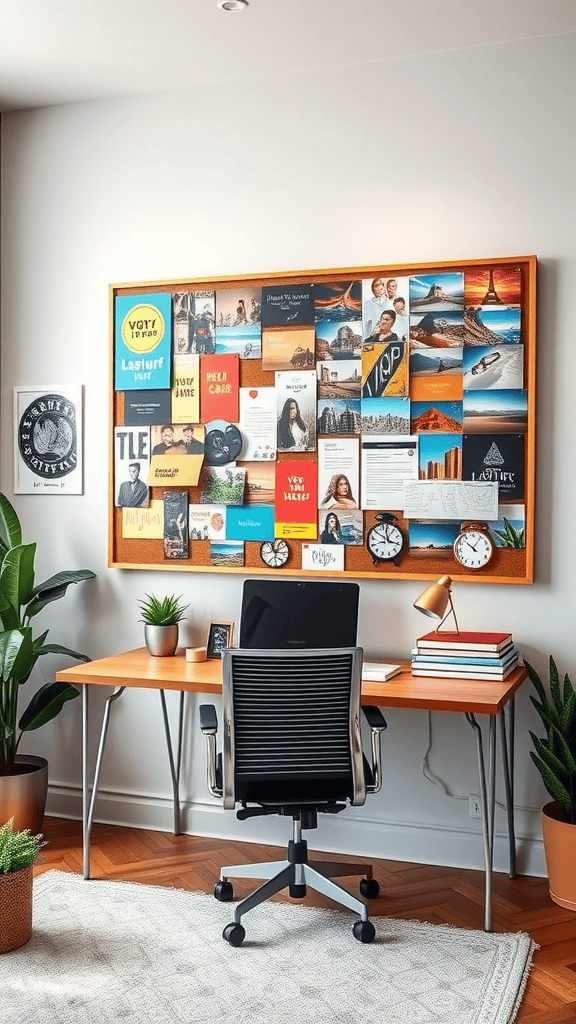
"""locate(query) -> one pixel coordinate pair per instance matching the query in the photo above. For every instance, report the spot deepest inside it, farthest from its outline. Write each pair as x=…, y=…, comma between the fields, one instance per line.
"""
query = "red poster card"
x=219, y=381
x=297, y=500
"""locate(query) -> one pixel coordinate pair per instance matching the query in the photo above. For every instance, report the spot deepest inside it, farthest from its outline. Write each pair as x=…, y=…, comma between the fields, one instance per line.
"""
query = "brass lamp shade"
x=436, y=599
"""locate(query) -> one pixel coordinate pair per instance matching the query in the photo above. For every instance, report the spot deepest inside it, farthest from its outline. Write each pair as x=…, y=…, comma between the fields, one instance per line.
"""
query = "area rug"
x=105, y=951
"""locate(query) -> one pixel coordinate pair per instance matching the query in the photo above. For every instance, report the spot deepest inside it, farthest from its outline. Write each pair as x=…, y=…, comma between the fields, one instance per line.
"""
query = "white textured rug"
x=104, y=952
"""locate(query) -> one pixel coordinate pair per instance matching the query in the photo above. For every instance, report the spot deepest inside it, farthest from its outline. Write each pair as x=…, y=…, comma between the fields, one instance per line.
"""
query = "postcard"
x=142, y=408
x=219, y=381
x=227, y=553
x=338, y=472
x=338, y=300
x=287, y=305
x=142, y=341
x=177, y=454
x=222, y=485
x=496, y=411
x=492, y=325
x=250, y=523
x=322, y=558
x=509, y=530
x=338, y=340
x=385, y=293
x=433, y=292
x=339, y=378
x=495, y=457
x=131, y=466
x=385, y=416
x=186, y=389
x=145, y=523
x=238, y=305
x=432, y=540
x=440, y=456
x=260, y=482
x=385, y=370
x=183, y=315
x=296, y=411
x=203, y=322
x=451, y=499
x=175, y=524
x=437, y=330
x=296, y=499
x=345, y=526
x=258, y=424
x=207, y=522
x=339, y=416
x=487, y=367
x=289, y=349
x=444, y=417
x=499, y=285
x=388, y=463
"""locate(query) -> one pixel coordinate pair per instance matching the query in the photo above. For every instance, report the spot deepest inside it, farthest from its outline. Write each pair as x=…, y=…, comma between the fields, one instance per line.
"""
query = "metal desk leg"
x=487, y=802
x=174, y=768
x=88, y=801
x=508, y=769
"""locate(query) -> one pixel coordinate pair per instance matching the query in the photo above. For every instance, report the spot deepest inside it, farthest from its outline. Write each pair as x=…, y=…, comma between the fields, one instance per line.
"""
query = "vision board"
x=365, y=422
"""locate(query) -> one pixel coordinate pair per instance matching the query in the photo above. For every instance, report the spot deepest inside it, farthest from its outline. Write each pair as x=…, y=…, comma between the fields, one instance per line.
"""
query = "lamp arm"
x=448, y=613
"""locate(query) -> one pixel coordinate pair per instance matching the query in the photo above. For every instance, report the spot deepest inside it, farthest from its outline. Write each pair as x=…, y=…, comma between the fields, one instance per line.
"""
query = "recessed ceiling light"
x=232, y=5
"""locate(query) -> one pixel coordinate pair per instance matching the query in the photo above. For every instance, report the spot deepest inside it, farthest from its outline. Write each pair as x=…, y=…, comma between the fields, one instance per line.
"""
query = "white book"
x=379, y=672
x=467, y=674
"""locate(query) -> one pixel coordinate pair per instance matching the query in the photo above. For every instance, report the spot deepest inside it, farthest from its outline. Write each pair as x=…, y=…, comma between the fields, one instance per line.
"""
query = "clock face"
x=385, y=542
x=274, y=553
x=473, y=549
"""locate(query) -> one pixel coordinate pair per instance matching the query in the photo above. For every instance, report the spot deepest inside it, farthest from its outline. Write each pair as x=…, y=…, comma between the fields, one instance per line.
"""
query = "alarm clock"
x=274, y=553
x=385, y=541
x=473, y=546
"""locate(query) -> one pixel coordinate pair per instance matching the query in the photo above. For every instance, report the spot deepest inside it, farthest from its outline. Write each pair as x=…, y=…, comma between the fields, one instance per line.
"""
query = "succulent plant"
x=165, y=612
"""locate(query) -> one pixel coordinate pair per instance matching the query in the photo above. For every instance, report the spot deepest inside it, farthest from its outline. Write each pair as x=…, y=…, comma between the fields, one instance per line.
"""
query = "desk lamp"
x=434, y=601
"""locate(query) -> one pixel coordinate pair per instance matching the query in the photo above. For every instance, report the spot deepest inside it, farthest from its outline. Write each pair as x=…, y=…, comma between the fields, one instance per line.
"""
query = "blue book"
x=426, y=659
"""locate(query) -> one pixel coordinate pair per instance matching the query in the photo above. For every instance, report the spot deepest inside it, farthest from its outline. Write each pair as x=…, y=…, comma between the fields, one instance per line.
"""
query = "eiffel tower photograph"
x=493, y=286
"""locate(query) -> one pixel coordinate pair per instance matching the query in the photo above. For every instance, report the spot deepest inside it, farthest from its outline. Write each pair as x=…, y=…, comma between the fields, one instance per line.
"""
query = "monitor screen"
x=284, y=614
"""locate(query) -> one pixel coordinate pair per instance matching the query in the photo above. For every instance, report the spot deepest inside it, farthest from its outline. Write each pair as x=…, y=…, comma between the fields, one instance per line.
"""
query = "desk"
x=467, y=696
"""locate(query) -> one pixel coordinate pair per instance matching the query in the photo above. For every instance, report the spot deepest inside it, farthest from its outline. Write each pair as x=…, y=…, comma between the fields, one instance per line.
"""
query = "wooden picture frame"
x=220, y=635
x=423, y=558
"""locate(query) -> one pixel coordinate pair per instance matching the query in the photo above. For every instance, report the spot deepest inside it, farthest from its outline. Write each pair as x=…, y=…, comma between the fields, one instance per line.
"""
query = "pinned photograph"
x=494, y=286
x=131, y=464
x=296, y=411
x=342, y=526
x=440, y=456
x=385, y=293
x=207, y=522
x=432, y=540
x=443, y=417
x=492, y=325
x=238, y=327
x=493, y=367
x=436, y=374
x=340, y=378
x=495, y=411
x=288, y=349
x=222, y=485
x=175, y=524
x=177, y=454
x=338, y=340
x=260, y=482
x=227, y=554
x=437, y=330
x=338, y=300
x=339, y=416
x=510, y=530
x=48, y=439
x=435, y=292
x=385, y=416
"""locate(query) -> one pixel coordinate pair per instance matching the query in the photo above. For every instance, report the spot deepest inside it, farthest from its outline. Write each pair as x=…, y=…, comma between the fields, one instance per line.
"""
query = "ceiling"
x=65, y=51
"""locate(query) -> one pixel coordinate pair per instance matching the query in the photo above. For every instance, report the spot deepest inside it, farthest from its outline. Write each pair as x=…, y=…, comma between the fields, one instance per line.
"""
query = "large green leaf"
x=555, y=686
x=59, y=649
x=55, y=588
x=17, y=575
x=17, y=657
x=10, y=529
x=46, y=704
x=536, y=682
x=554, y=786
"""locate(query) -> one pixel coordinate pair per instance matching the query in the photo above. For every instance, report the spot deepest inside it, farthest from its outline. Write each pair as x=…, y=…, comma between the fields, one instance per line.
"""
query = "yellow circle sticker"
x=143, y=328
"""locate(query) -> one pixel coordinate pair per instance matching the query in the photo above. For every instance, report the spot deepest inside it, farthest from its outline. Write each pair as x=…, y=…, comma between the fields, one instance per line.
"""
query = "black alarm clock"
x=385, y=541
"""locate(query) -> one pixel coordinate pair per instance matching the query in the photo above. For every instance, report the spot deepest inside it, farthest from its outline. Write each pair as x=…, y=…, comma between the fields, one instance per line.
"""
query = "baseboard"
x=417, y=842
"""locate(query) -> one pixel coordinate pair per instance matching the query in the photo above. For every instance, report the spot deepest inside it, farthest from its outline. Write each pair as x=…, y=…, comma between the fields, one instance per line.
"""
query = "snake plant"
x=555, y=754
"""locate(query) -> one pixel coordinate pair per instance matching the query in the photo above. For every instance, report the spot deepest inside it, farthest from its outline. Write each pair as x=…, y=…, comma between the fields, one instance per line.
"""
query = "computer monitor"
x=289, y=615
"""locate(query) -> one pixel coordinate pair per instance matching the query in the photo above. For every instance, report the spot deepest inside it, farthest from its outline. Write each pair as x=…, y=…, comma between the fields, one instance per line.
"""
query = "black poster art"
x=287, y=305
x=175, y=524
x=498, y=458
x=141, y=408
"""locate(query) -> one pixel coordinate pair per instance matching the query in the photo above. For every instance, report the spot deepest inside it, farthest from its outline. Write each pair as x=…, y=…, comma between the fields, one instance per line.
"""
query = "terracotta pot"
x=15, y=909
x=161, y=641
x=23, y=793
x=560, y=849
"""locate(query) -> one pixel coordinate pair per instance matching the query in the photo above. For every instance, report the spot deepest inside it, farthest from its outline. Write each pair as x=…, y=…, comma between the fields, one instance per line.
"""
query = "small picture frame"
x=48, y=439
x=219, y=636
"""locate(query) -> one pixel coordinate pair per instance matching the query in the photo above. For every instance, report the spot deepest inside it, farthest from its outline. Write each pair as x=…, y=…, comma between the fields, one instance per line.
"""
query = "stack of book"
x=467, y=655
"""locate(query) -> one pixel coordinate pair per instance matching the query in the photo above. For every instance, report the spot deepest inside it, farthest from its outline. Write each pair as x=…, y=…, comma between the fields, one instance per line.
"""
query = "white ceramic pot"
x=161, y=641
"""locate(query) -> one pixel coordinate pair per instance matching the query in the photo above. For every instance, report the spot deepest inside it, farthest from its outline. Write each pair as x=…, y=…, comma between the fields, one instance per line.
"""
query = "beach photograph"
x=496, y=411
x=432, y=539
x=260, y=482
x=227, y=554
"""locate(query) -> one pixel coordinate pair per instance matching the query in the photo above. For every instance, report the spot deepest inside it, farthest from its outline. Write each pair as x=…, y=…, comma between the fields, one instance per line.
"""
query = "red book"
x=219, y=383
x=297, y=499
x=469, y=641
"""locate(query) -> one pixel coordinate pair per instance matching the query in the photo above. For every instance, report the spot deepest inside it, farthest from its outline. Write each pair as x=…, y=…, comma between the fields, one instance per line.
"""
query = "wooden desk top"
x=138, y=668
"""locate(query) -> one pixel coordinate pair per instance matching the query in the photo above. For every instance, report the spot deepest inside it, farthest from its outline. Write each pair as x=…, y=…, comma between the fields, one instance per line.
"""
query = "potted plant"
x=161, y=618
x=555, y=758
x=24, y=778
x=18, y=852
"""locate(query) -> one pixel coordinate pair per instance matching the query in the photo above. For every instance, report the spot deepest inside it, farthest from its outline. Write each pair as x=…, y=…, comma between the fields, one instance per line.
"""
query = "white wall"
x=460, y=155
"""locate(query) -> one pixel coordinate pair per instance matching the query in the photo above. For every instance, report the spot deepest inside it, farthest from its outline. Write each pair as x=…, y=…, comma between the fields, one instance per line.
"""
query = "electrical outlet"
x=474, y=807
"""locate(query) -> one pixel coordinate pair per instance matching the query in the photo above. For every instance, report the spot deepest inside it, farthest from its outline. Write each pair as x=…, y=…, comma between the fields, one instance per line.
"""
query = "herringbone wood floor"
x=434, y=894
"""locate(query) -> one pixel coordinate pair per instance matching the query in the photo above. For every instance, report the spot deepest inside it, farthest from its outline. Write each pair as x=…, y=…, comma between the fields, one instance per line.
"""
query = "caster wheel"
x=223, y=892
x=369, y=888
x=364, y=931
x=234, y=934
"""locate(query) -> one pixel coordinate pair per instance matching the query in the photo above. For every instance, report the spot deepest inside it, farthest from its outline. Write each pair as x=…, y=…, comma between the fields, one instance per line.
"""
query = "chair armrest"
x=377, y=724
x=209, y=726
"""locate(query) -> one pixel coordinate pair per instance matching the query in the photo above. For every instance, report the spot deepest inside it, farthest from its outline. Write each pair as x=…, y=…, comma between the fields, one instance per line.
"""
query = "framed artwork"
x=219, y=636
x=48, y=439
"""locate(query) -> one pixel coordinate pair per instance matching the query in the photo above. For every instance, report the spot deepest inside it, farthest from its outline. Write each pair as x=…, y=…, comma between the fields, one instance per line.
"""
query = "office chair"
x=293, y=746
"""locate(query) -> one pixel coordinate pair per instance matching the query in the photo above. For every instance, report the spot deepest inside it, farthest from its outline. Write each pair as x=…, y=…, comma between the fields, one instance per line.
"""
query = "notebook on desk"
x=379, y=671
